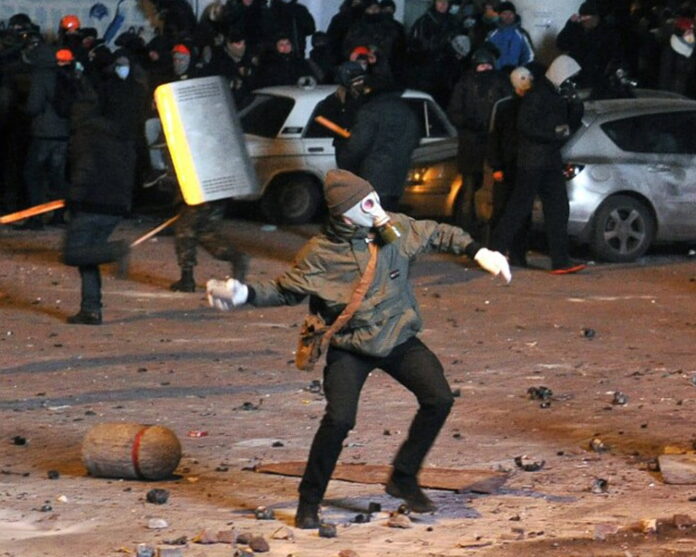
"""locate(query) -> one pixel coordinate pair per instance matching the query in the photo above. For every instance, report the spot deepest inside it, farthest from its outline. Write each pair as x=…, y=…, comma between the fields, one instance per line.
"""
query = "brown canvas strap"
x=356, y=298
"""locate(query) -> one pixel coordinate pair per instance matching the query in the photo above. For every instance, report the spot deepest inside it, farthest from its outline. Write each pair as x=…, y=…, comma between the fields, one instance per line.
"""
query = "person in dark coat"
x=501, y=155
x=591, y=42
x=678, y=62
x=45, y=166
x=429, y=51
x=348, y=13
x=283, y=66
x=373, y=30
x=294, y=20
x=252, y=18
x=469, y=109
x=105, y=122
x=547, y=116
x=381, y=142
x=232, y=61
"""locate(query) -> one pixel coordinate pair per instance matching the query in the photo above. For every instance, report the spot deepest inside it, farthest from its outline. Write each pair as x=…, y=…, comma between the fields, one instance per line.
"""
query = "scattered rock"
x=258, y=544
x=327, y=530
x=244, y=538
x=157, y=524
x=283, y=533
x=399, y=520
x=361, y=518
x=144, y=550
x=529, y=465
x=248, y=406
x=598, y=446
x=264, y=513
x=403, y=509
x=347, y=553
x=157, y=496
x=53, y=474
x=181, y=540
x=600, y=486
x=373, y=507
x=539, y=393
x=19, y=440
x=619, y=398
x=589, y=333
x=226, y=536
x=314, y=387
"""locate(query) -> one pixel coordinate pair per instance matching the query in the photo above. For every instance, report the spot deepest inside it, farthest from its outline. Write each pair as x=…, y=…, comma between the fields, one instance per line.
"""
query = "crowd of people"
x=463, y=52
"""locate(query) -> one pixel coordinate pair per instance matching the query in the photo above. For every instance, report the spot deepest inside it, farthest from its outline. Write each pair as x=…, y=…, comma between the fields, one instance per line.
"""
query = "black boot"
x=83, y=317
x=307, y=515
x=185, y=283
x=406, y=488
x=240, y=266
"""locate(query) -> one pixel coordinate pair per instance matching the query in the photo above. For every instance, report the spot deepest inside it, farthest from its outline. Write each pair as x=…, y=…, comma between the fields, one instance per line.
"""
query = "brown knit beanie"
x=343, y=189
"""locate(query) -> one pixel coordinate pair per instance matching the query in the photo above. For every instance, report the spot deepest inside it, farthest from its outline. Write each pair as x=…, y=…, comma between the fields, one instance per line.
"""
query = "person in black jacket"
x=294, y=20
x=469, y=109
x=591, y=42
x=381, y=142
x=501, y=154
x=283, y=66
x=546, y=118
x=44, y=169
x=105, y=125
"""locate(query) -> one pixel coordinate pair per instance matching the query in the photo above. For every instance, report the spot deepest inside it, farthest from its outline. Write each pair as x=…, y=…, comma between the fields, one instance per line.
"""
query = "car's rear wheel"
x=624, y=228
x=292, y=200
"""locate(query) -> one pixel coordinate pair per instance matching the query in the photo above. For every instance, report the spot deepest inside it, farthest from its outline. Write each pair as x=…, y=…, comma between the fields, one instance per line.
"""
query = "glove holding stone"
x=494, y=262
x=226, y=294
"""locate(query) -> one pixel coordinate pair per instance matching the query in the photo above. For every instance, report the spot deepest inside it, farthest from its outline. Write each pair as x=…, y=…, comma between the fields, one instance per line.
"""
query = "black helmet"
x=350, y=72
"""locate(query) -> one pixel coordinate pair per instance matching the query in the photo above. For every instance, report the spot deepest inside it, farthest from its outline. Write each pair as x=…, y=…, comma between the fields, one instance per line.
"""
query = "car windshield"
x=265, y=115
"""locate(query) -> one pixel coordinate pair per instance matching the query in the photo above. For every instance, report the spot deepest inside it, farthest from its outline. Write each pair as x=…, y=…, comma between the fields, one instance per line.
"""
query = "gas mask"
x=369, y=213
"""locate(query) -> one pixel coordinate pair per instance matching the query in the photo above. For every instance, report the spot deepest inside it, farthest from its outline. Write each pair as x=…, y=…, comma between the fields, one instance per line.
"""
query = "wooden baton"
x=32, y=211
x=154, y=231
x=343, y=132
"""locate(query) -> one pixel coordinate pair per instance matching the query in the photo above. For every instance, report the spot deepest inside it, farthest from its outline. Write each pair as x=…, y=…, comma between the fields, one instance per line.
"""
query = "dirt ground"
x=167, y=358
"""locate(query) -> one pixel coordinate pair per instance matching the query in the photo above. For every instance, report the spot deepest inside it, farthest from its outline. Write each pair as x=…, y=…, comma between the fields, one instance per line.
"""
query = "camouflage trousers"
x=200, y=225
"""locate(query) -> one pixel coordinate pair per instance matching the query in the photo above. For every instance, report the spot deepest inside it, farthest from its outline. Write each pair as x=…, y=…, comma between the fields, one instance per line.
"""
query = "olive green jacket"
x=329, y=266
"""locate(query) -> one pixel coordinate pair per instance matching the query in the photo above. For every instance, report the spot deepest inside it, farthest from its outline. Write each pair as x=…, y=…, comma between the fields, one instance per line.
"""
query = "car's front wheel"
x=624, y=228
x=292, y=200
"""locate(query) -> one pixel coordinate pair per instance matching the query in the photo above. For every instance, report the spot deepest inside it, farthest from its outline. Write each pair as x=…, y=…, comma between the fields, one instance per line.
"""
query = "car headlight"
x=423, y=174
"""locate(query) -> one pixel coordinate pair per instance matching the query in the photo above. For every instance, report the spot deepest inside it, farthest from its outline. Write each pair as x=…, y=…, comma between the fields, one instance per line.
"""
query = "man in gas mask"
x=546, y=118
x=359, y=236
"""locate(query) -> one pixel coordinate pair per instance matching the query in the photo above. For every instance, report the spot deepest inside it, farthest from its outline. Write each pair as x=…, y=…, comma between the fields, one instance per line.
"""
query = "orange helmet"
x=70, y=22
x=64, y=56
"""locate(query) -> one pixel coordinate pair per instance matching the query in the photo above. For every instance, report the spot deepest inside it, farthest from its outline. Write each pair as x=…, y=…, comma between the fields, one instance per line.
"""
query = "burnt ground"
x=167, y=358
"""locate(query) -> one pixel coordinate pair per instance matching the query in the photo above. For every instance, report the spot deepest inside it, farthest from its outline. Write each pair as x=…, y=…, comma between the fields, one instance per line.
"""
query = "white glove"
x=226, y=294
x=494, y=262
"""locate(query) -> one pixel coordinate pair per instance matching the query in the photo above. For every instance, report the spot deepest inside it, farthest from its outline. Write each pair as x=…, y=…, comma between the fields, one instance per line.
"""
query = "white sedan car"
x=291, y=153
